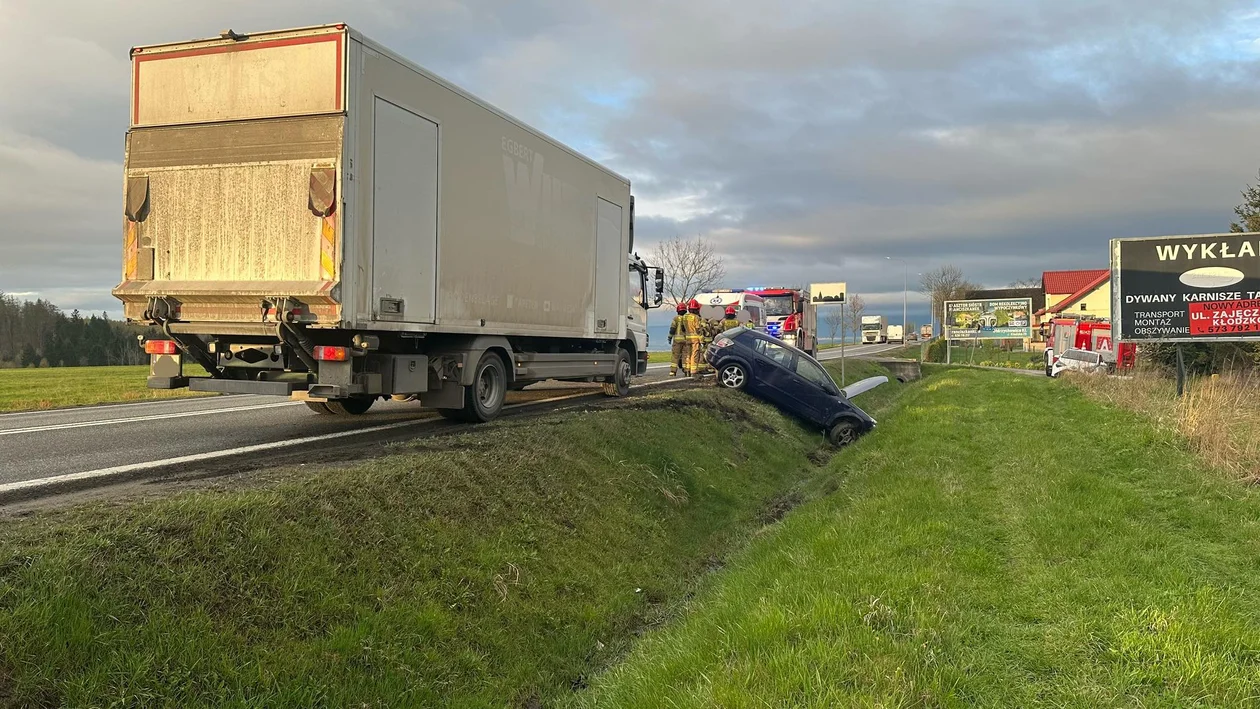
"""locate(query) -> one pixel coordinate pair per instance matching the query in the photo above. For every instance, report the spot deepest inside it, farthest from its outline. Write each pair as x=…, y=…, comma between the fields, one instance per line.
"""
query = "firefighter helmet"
x=682, y=307
x=693, y=305
x=730, y=310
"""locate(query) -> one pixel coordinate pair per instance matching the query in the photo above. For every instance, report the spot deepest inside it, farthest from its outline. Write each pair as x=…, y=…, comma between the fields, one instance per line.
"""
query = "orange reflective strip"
x=328, y=249
x=131, y=251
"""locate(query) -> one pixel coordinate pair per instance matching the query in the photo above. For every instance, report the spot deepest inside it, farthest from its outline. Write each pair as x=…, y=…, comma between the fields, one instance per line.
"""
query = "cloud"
x=809, y=140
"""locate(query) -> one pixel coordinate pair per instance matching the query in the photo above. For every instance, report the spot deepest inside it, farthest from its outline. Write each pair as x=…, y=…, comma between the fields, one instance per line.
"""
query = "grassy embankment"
x=48, y=388
x=499, y=567
x=1002, y=541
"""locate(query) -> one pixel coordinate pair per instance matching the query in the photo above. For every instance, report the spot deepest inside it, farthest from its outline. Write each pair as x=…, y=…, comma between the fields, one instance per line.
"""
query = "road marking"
x=136, y=419
x=259, y=447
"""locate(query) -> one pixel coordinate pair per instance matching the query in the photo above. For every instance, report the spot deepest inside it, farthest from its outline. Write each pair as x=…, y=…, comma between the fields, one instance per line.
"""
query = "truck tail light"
x=160, y=347
x=326, y=353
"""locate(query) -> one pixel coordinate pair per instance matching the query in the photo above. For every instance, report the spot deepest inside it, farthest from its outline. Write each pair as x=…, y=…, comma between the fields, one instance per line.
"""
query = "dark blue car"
x=791, y=380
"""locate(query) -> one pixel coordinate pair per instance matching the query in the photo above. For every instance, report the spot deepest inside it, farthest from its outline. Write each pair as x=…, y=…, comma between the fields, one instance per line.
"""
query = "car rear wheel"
x=354, y=406
x=733, y=376
x=842, y=433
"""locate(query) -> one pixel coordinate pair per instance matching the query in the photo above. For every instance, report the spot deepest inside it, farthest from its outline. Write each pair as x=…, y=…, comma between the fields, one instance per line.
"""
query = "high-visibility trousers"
x=679, y=352
x=696, y=364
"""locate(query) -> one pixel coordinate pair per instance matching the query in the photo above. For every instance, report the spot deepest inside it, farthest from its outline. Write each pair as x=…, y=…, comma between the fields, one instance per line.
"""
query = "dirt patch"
x=779, y=507
x=821, y=455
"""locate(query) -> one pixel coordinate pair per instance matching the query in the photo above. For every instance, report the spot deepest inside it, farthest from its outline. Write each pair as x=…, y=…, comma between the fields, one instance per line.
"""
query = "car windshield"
x=778, y=304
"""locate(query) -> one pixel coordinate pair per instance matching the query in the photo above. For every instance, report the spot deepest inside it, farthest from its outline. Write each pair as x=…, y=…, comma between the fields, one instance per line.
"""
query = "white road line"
x=243, y=450
x=136, y=419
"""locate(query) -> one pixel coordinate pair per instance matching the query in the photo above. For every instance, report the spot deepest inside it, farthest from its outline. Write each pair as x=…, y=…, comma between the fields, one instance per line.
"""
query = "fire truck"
x=1089, y=334
x=790, y=317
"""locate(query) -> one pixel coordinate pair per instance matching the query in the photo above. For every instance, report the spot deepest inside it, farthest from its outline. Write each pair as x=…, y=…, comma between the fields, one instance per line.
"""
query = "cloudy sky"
x=810, y=139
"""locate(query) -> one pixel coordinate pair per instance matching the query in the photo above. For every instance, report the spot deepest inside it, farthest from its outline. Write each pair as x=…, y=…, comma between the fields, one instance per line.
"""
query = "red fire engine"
x=790, y=316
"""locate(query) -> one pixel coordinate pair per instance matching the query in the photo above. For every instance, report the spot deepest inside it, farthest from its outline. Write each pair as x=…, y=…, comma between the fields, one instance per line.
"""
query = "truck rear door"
x=233, y=174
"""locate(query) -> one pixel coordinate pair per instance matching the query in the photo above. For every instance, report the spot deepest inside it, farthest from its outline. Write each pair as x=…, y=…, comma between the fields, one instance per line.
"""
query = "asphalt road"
x=98, y=443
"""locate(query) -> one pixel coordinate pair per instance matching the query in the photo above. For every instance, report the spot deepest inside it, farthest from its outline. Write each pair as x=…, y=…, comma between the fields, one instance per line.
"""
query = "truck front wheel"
x=620, y=385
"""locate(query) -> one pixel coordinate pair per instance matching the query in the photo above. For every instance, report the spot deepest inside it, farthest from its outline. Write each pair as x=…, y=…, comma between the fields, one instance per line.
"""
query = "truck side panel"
x=518, y=217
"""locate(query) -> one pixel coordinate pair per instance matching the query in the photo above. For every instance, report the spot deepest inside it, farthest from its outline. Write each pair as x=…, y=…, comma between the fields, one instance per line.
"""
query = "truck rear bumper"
x=240, y=386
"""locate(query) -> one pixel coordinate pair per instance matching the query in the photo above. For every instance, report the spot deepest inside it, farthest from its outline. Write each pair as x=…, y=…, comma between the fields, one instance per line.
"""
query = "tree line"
x=39, y=334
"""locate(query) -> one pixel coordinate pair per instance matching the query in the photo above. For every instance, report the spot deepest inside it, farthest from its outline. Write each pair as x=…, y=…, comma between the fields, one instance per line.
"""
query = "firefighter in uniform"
x=693, y=326
x=679, y=348
x=729, y=321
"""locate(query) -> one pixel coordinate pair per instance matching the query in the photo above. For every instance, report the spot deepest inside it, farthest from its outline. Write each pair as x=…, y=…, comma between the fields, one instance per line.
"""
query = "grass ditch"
x=1001, y=541
x=504, y=566
x=57, y=387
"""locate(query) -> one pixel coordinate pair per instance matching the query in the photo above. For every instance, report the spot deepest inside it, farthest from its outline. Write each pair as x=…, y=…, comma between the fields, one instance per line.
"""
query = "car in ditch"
x=1084, y=361
x=789, y=378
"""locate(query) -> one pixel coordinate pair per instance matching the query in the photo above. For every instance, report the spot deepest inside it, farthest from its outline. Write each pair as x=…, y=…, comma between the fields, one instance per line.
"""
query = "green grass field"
x=504, y=566
x=1001, y=542
x=49, y=388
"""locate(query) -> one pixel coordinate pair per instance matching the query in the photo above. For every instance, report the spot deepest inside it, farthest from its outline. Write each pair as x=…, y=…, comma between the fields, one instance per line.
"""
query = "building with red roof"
x=1082, y=293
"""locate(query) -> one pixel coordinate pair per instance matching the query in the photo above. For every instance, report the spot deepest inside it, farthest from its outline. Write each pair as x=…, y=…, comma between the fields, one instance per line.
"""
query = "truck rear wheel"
x=484, y=399
x=353, y=406
x=620, y=385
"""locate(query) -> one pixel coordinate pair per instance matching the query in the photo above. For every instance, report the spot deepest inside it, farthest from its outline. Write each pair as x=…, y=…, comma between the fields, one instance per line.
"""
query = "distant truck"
x=925, y=332
x=791, y=317
x=749, y=307
x=896, y=333
x=310, y=215
x=874, y=329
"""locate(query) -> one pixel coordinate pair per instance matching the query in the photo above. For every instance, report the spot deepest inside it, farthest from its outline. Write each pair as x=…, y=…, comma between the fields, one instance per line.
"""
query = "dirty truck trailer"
x=309, y=215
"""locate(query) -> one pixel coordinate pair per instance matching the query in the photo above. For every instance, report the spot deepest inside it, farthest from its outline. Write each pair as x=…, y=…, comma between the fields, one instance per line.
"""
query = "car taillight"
x=160, y=347
x=723, y=342
x=325, y=353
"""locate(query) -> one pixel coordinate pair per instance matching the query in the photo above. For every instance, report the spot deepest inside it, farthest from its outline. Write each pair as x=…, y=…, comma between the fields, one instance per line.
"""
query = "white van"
x=749, y=307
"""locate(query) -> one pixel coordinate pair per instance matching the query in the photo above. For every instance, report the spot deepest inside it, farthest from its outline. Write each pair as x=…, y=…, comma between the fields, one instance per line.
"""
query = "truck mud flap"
x=240, y=386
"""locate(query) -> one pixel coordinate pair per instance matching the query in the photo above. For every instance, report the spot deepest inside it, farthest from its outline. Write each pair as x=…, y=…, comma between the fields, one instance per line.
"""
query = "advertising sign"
x=1204, y=287
x=1002, y=319
x=827, y=293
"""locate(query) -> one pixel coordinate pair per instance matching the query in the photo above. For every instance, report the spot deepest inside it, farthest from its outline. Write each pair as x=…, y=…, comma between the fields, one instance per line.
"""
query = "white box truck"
x=874, y=329
x=896, y=333
x=308, y=214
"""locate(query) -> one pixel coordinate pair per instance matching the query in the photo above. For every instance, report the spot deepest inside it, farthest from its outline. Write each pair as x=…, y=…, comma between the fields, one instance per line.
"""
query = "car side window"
x=812, y=372
x=774, y=351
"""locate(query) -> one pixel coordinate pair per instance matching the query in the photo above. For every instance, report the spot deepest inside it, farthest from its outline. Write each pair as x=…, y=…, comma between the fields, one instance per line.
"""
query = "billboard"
x=997, y=319
x=827, y=293
x=1202, y=287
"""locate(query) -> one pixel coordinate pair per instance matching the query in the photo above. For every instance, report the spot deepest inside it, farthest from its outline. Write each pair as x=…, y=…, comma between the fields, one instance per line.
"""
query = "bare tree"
x=944, y=283
x=691, y=266
x=1026, y=283
x=857, y=308
x=834, y=320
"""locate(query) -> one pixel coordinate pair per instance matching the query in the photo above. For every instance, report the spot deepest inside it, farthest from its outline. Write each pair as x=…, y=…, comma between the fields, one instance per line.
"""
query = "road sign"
x=827, y=293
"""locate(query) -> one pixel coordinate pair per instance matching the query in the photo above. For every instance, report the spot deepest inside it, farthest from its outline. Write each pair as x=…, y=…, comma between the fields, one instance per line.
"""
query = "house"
x=1084, y=293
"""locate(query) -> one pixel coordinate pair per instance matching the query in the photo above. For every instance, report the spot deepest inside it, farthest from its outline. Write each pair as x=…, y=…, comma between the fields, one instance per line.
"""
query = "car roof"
x=763, y=336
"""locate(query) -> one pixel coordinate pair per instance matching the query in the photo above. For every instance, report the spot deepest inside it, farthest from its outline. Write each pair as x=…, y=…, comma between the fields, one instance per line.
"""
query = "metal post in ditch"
x=1181, y=372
